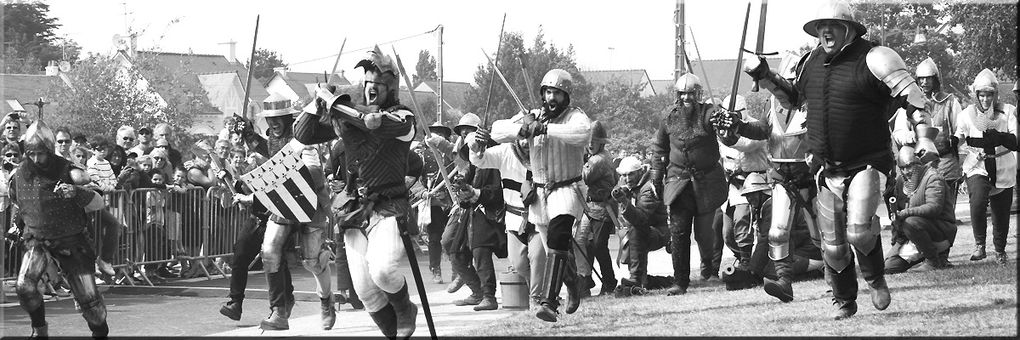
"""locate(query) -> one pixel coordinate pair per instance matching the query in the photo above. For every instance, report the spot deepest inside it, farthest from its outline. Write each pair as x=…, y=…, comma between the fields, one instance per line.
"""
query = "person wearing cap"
x=558, y=134
x=987, y=130
x=686, y=167
x=377, y=137
x=851, y=88
x=472, y=234
x=924, y=221
x=439, y=202
x=742, y=158
x=315, y=255
x=525, y=248
x=942, y=113
x=592, y=234
x=145, y=144
x=642, y=218
x=53, y=210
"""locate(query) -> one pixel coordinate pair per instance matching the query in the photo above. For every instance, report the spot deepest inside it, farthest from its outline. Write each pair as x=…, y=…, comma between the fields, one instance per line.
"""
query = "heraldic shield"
x=284, y=185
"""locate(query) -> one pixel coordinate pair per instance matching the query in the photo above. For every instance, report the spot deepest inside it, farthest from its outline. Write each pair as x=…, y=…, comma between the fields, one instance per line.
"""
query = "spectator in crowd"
x=13, y=127
x=79, y=140
x=924, y=226
x=228, y=128
x=161, y=161
x=125, y=137
x=163, y=132
x=987, y=130
x=99, y=168
x=11, y=154
x=130, y=178
x=145, y=144
x=63, y=143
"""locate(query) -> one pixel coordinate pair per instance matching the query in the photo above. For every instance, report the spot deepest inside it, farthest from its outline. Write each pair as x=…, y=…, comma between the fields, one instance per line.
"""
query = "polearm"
x=251, y=65
x=700, y=63
x=337, y=62
x=740, y=54
x=759, y=47
x=408, y=248
x=506, y=83
x=527, y=80
x=492, y=75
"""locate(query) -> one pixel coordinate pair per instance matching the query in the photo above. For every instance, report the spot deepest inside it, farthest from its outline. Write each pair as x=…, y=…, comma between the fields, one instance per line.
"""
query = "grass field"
x=971, y=299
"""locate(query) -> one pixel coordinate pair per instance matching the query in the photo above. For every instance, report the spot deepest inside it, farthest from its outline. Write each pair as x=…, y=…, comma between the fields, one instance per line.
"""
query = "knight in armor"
x=557, y=134
x=53, y=211
x=741, y=159
x=642, y=218
x=942, y=113
x=315, y=255
x=924, y=225
x=786, y=219
x=525, y=248
x=377, y=138
x=686, y=167
x=596, y=226
x=988, y=133
x=851, y=88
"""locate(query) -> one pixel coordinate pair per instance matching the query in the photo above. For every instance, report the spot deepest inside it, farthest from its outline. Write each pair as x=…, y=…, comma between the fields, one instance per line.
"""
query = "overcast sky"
x=635, y=34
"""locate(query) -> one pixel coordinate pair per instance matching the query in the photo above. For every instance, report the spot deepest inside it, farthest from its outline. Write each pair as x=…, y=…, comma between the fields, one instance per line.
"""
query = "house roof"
x=224, y=91
x=662, y=86
x=24, y=88
x=194, y=65
x=720, y=76
x=299, y=81
x=454, y=92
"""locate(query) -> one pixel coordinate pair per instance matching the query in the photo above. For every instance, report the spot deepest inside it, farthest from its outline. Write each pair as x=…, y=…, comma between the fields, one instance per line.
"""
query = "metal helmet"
x=906, y=156
x=439, y=128
x=925, y=148
x=629, y=164
x=838, y=10
x=382, y=64
x=788, y=65
x=599, y=133
x=985, y=81
x=39, y=136
x=755, y=182
x=927, y=68
x=688, y=82
x=741, y=103
x=558, y=79
x=468, y=120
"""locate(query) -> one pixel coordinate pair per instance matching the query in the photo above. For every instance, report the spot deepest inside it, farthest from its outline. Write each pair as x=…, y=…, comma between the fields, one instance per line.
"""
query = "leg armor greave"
x=783, y=215
x=272, y=246
x=832, y=226
x=864, y=194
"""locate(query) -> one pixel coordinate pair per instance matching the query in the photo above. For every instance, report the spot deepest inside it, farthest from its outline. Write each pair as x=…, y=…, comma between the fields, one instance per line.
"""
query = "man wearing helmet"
x=558, y=134
x=989, y=129
x=53, y=211
x=378, y=138
x=686, y=166
x=642, y=220
x=593, y=232
x=941, y=113
x=924, y=216
x=851, y=88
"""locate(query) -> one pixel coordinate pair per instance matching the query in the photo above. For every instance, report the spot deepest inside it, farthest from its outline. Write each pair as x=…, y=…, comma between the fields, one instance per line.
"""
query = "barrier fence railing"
x=157, y=227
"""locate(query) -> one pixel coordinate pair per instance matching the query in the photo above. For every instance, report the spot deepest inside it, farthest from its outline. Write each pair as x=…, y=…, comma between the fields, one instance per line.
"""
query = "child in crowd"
x=98, y=167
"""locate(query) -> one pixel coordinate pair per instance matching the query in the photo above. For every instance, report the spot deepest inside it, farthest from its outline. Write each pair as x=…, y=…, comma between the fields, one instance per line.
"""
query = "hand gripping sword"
x=408, y=247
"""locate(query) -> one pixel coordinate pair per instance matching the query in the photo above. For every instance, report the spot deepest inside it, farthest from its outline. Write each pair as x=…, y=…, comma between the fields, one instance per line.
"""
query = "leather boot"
x=844, y=309
x=437, y=276
x=328, y=312
x=585, y=286
x=608, y=286
x=676, y=289
x=488, y=303
x=386, y=320
x=405, y=310
x=40, y=332
x=555, y=268
x=455, y=285
x=232, y=309
x=100, y=331
x=979, y=253
x=473, y=299
x=782, y=288
x=355, y=300
x=880, y=294
x=574, y=291
x=277, y=320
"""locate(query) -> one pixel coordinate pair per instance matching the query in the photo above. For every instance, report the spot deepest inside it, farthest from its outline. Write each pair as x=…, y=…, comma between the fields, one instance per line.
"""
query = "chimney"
x=231, y=50
x=134, y=44
x=52, y=69
x=281, y=70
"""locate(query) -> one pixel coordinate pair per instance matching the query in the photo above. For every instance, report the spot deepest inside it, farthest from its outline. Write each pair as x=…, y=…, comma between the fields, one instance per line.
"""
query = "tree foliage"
x=30, y=38
x=265, y=61
x=104, y=94
x=540, y=57
x=425, y=69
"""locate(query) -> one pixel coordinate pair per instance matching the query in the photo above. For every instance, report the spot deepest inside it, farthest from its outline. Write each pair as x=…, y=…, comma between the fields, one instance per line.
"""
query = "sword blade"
x=740, y=54
x=506, y=83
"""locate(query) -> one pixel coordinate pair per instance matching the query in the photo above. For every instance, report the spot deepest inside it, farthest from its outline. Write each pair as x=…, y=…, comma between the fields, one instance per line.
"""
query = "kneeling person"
x=924, y=223
x=642, y=215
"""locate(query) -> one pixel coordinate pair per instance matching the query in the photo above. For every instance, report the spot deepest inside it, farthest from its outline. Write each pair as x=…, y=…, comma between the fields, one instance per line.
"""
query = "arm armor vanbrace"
x=886, y=65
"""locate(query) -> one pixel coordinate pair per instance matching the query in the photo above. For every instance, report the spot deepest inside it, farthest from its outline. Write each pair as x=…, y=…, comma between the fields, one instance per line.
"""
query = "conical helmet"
x=927, y=68
x=599, y=133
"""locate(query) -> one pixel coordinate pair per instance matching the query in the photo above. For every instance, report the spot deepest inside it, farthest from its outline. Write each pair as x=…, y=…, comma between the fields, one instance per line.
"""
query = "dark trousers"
x=109, y=233
x=486, y=270
x=435, y=232
x=462, y=262
x=246, y=248
x=737, y=233
x=685, y=218
x=343, y=268
x=979, y=188
x=924, y=234
x=844, y=284
x=281, y=288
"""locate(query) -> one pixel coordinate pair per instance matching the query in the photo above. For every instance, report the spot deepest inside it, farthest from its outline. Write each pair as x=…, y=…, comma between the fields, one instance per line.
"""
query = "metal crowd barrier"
x=157, y=227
